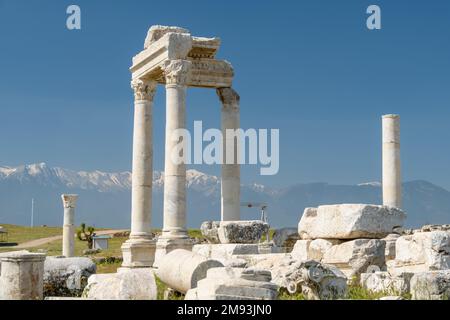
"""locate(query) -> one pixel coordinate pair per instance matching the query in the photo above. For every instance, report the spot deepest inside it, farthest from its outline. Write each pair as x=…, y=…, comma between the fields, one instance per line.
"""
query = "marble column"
x=392, y=182
x=174, y=234
x=139, y=250
x=69, y=202
x=231, y=176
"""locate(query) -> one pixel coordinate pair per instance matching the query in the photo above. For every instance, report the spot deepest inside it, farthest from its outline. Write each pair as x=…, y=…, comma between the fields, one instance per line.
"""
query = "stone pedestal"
x=139, y=250
x=22, y=276
x=174, y=233
x=69, y=202
x=231, y=176
x=392, y=183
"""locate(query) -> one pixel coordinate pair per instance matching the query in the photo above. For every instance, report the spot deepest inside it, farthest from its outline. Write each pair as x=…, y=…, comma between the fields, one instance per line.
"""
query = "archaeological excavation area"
x=334, y=247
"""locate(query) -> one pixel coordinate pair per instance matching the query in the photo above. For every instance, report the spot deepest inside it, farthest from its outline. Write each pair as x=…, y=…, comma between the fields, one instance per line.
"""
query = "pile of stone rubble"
x=421, y=265
x=335, y=245
x=356, y=238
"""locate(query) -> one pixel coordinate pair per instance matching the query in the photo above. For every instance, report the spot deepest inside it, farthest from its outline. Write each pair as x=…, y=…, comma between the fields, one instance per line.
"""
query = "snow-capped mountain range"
x=105, y=197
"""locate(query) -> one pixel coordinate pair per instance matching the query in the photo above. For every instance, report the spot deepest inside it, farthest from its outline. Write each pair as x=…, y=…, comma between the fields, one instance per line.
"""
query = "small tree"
x=86, y=234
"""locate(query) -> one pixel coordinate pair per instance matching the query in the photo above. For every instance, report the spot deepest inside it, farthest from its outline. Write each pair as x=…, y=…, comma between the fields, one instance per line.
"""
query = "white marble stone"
x=313, y=279
x=126, y=284
x=431, y=285
x=231, y=176
x=67, y=276
x=139, y=250
x=350, y=221
x=421, y=251
x=22, y=276
x=390, y=241
x=210, y=230
x=242, y=231
x=224, y=252
x=181, y=269
x=172, y=43
x=392, y=182
x=174, y=233
x=382, y=281
x=286, y=238
x=69, y=203
x=356, y=256
x=234, y=284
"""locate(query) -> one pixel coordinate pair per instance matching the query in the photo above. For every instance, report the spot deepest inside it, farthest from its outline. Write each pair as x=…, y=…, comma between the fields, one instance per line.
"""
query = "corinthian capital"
x=228, y=96
x=177, y=71
x=69, y=200
x=143, y=89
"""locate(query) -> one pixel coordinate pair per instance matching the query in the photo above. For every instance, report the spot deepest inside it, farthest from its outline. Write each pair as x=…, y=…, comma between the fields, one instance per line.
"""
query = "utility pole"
x=32, y=212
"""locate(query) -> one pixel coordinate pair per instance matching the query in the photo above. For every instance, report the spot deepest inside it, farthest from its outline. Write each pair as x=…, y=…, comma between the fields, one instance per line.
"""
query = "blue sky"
x=310, y=68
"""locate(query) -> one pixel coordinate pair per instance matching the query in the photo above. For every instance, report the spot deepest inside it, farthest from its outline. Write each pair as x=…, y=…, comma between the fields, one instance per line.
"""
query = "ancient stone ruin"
x=335, y=245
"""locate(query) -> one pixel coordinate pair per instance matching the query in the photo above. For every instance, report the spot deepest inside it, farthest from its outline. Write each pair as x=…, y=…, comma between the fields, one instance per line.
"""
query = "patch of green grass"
x=108, y=267
x=284, y=295
x=357, y=292
x=194, y=233
x=271, y=233
x=161, y=287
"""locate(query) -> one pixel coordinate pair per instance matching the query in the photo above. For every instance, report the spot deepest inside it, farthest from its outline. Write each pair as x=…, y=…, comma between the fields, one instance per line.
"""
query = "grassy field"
x=20, y=234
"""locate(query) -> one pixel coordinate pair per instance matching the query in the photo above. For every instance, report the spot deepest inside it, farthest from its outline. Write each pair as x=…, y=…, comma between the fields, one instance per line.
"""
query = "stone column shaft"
x=142, y=172
x=392, y=182
x=231, y=177
x=176, y=73
x=69, y=202
x=174, y=174
x=174, y=234
x=139, y=250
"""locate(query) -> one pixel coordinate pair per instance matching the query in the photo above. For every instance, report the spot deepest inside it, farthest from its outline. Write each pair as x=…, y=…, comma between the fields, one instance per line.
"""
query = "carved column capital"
x=69, y=200
x=143, y=89
x=177, y=71
x=229, y=97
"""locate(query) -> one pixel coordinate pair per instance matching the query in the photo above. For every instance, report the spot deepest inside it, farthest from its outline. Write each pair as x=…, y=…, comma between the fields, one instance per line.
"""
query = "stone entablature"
x=172, y=43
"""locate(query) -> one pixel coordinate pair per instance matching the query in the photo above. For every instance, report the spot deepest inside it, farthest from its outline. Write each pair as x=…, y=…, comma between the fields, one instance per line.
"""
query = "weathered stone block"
x=350, y=221
x=356, y=256
x=390, y=241
x=126, y=284
x=234, y=284
x=21, y=276
x=431, y=285
x=67, y=277
x=315, y=280
x=382, y=281
x=225, y=232
x=301, y=250
x=286, y=238
x=210, y=230
x=421, y=251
